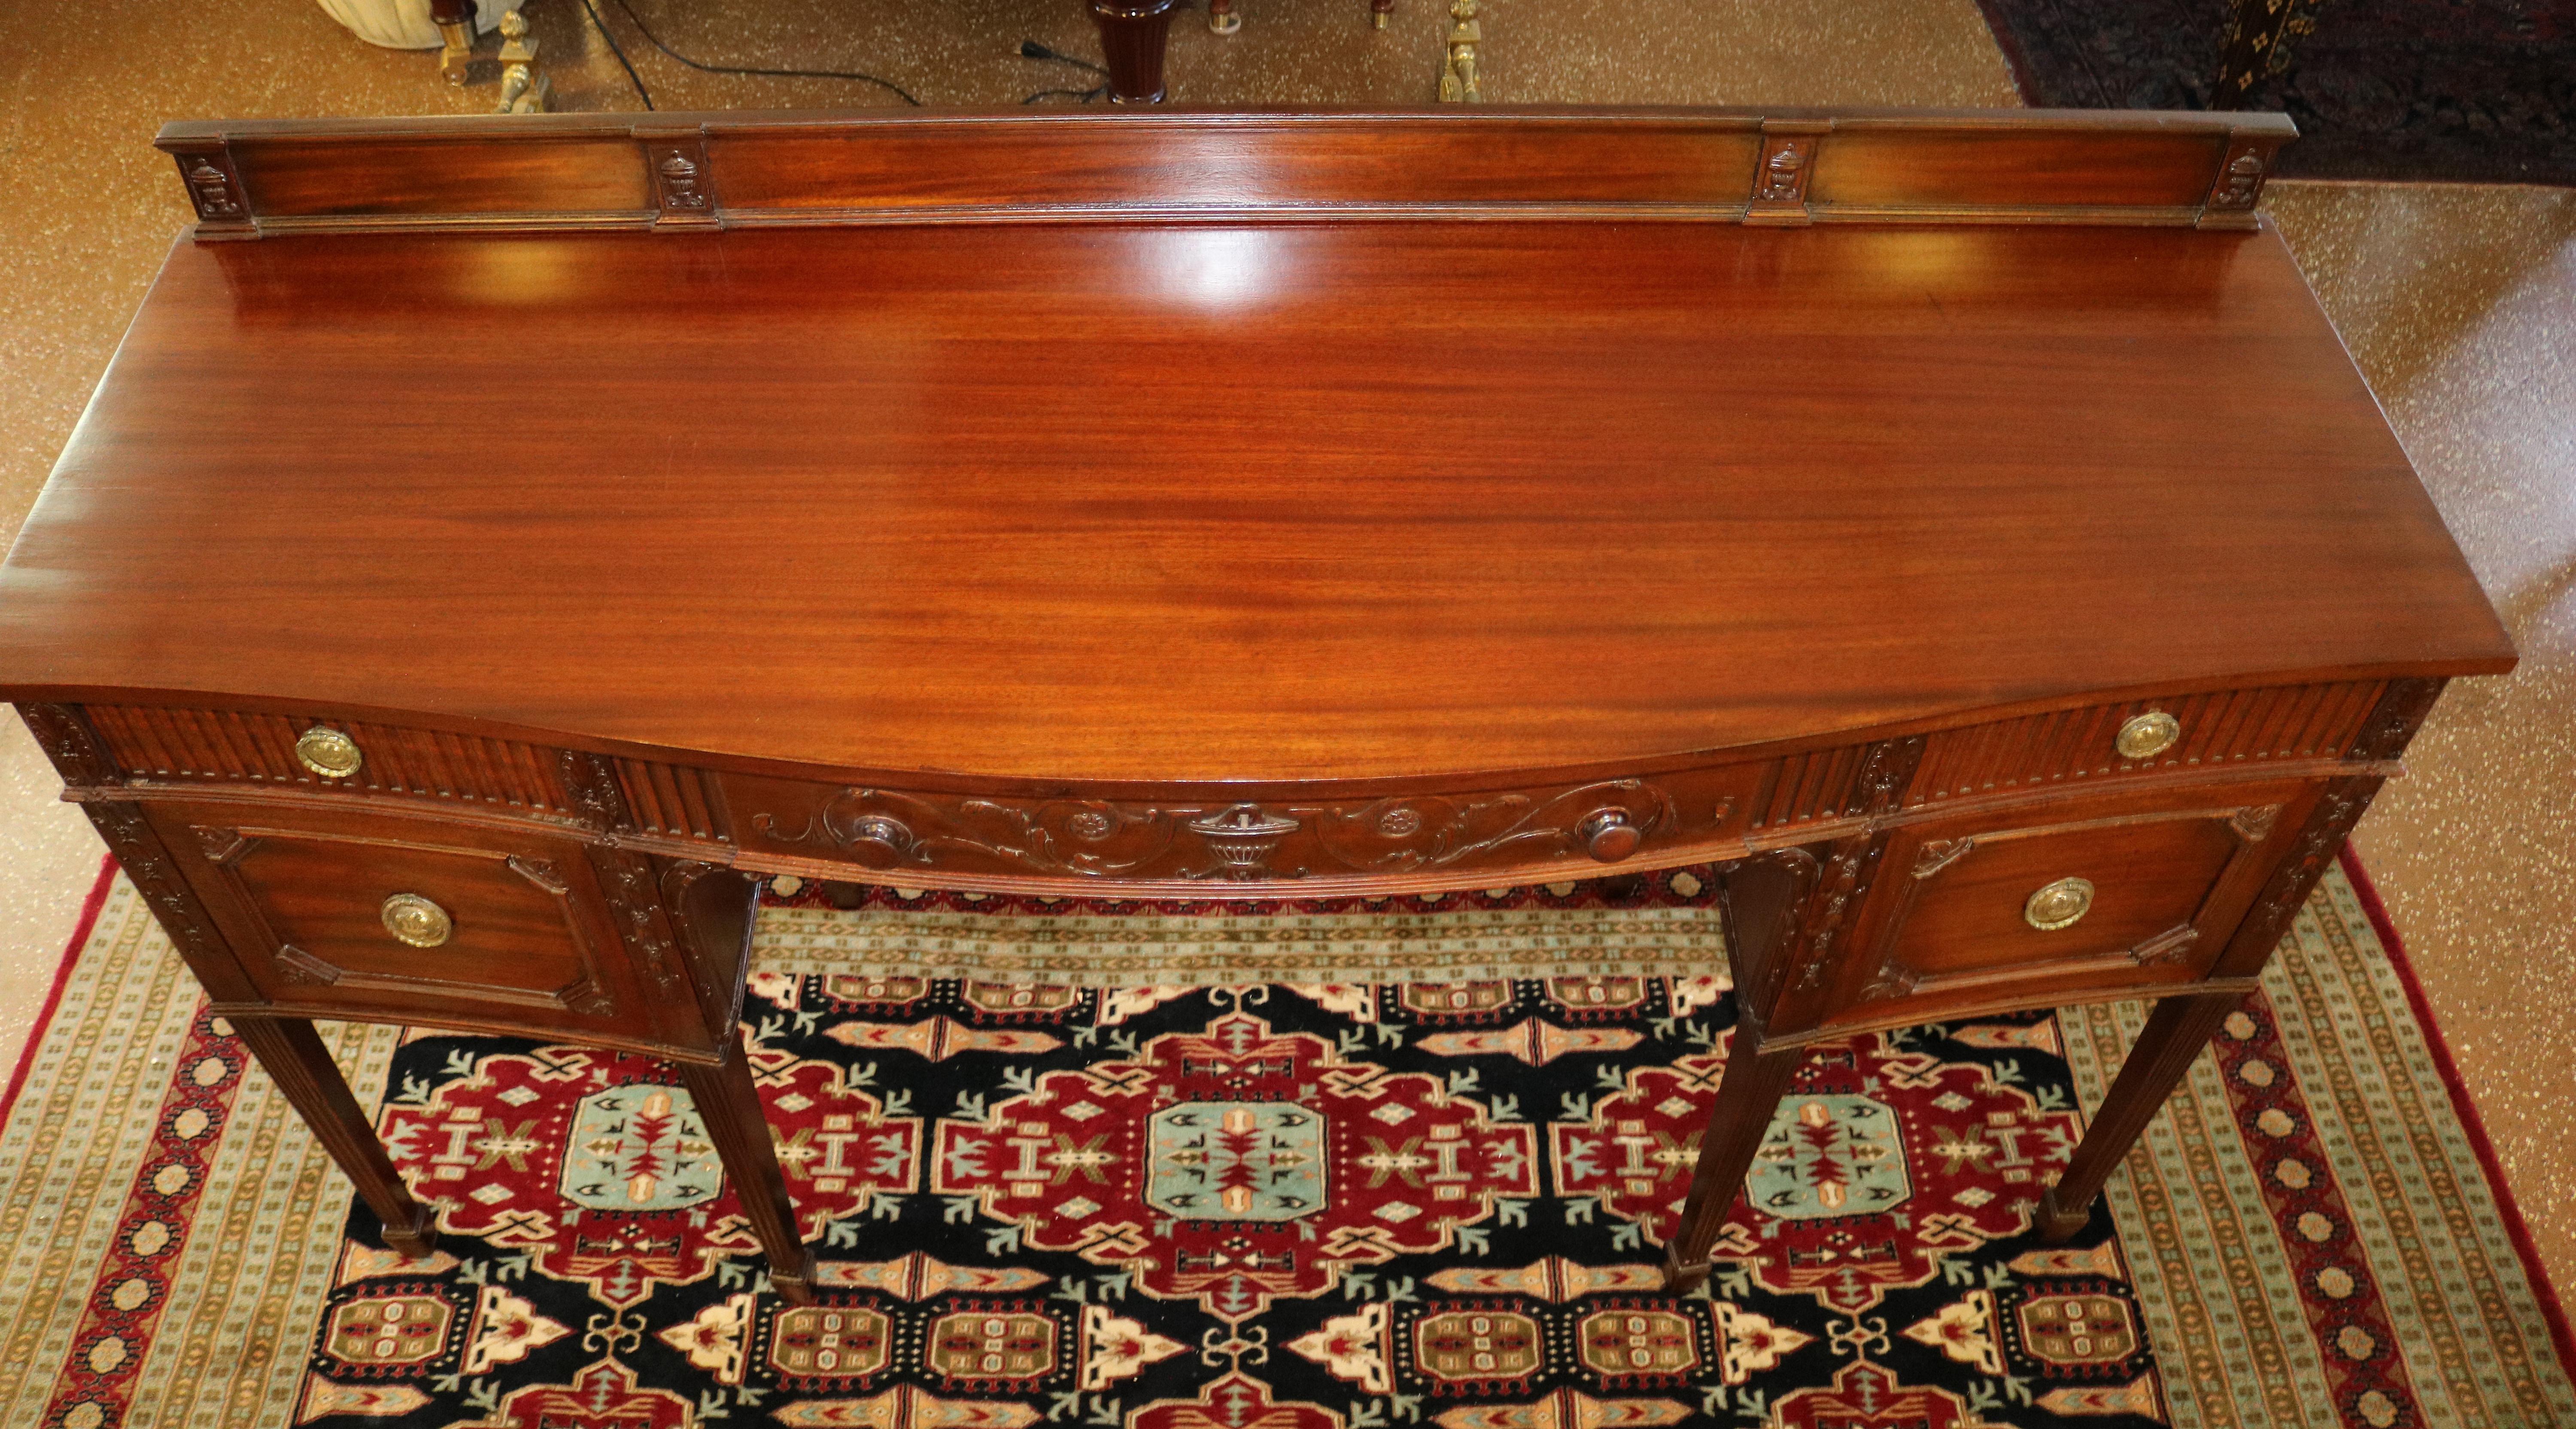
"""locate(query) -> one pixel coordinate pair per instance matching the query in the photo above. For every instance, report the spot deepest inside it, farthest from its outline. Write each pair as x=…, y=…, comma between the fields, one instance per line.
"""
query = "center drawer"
x=2020, y=908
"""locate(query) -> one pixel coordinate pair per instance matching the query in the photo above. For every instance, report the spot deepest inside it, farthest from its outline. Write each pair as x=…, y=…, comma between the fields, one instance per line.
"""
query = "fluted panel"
x=1809, y=786
x=669, y=799
x=225, y=746
x=2218, y=730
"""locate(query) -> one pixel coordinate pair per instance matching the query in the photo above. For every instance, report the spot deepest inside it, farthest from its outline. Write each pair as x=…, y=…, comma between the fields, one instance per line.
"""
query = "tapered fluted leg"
x=1131, y=40
x=2175, y=1033
x=293, y=1055
x=730, y=1106
x=1746, y=1097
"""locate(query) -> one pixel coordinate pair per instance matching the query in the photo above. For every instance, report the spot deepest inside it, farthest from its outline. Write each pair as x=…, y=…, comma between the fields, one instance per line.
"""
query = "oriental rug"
x=1411, y=1165
x=2475, y=90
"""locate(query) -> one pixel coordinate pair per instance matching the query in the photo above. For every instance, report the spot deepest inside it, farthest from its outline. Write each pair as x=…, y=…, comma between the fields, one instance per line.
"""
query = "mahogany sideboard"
x=497, y=541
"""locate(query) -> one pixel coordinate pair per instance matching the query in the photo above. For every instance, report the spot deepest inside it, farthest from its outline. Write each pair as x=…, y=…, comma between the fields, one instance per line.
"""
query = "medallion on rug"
x=1435, y=1199
x=1318, y=1205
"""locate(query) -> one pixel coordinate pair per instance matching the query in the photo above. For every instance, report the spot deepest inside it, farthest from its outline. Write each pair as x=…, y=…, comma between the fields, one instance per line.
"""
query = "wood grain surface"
x=1294, y=501
x=250, y=178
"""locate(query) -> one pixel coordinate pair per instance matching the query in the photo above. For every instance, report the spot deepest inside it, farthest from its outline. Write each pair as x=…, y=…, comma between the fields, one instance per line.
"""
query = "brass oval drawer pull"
x=328, y=752
x=1609, y=837
x=417, y=921
x=2059, y=904
x=2148, y=735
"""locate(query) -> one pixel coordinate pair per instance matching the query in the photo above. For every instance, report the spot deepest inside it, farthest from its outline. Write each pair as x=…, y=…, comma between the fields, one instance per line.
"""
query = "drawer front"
x=326, y=753
x=2022, y=909
x=407, y=920
x=2100, y=744
x=1249, y=848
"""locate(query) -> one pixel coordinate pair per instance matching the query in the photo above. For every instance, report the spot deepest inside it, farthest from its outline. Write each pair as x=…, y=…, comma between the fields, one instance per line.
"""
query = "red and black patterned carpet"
x=1285, y=1207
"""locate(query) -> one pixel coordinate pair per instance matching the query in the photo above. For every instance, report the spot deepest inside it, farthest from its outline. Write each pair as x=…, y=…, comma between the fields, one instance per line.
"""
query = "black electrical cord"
x=656, y=41
x=618, y=50
x=1032, y=50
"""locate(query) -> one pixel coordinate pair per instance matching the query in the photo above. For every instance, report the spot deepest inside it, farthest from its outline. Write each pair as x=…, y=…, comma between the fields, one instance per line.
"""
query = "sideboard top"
x=1242, y=497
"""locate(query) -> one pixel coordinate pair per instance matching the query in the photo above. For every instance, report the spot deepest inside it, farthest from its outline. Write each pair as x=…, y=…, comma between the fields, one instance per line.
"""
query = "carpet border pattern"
x=2301, y=1260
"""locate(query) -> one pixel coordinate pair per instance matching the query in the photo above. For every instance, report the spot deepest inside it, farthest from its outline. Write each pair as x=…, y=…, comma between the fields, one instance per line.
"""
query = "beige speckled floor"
x=2459, y=302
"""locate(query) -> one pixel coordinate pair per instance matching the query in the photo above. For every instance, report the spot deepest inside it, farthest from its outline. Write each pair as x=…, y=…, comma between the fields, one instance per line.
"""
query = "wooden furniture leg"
x=294, y=1057
x=1131, y=40
x=2175, y=1033
x=1379, y=10
x=730, y=1106
x=1746, y=1097
x=1221, y=17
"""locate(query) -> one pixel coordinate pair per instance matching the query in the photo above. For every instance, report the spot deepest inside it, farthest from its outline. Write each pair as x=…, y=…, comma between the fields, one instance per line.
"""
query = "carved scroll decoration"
x=886, y=830
x=1408, y=834
x=1083, y=837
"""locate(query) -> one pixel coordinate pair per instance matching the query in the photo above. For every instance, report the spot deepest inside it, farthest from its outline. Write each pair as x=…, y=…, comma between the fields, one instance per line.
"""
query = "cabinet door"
x=2029, y=907
x=341, y=915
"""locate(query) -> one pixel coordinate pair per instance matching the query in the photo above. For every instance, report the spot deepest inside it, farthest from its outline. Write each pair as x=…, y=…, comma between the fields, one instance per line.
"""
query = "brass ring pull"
x=2059, y=904
x=417, y=921
x=2148, y=735
x=328, y=752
